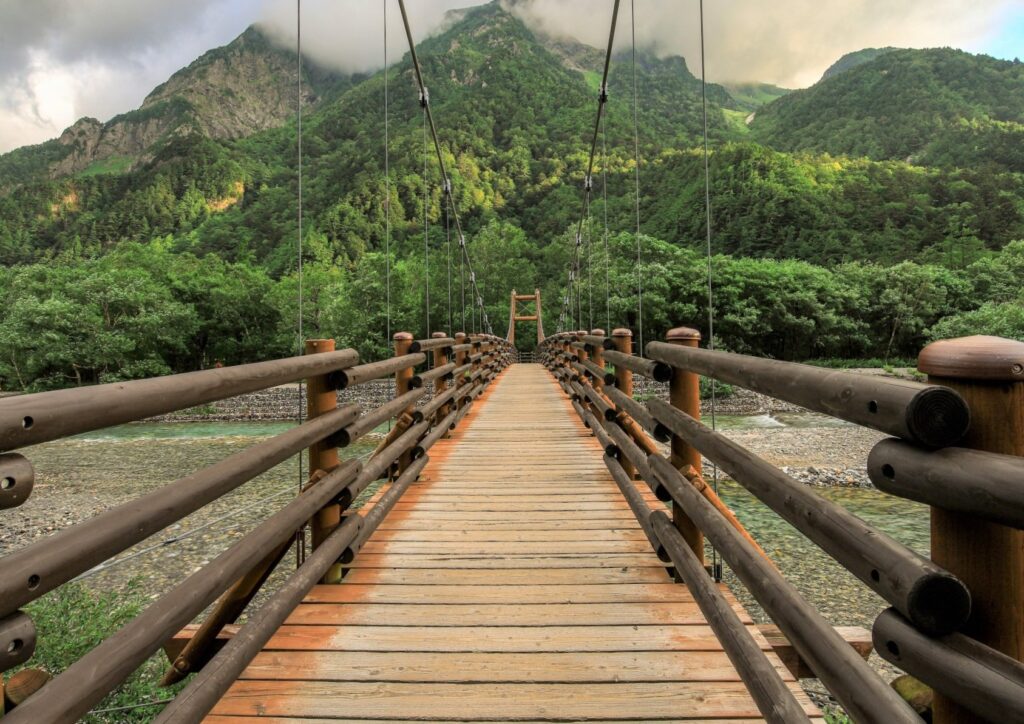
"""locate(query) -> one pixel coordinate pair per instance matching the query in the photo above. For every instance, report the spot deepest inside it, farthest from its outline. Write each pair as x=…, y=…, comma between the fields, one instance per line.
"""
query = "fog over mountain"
x=62, y=60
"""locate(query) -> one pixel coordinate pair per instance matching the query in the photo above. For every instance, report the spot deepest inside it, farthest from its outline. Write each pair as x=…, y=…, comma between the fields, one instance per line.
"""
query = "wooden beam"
x=858, y=638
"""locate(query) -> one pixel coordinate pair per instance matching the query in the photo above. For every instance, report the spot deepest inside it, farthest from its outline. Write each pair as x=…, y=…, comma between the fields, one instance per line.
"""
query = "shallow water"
x=843, y=599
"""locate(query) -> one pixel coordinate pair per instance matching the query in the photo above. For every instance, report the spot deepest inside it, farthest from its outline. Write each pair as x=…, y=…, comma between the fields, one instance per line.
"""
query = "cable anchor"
x=424, y=97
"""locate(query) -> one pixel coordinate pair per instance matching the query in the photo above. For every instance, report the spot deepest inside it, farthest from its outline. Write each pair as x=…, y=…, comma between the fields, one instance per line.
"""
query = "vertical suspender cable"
x=387, y=197
x=607, y=258
x=429, y=121
x=462, y=284
x=590, y=269
x=576, y=299
x=387, y=193
x=426, y=232
x=300, y=538
x=707, y=227
x=636, y=152
x=448, y=250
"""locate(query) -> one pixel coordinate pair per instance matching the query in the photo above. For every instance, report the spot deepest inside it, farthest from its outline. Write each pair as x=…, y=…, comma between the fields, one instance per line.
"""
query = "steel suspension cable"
x=446, y=179
x=607, y=258
x=448, y=252
x=590, y=270
x=426, y=229
x=707, y=227
x=602, y=99
x=300, y=536
x=387, y=194
x=636, y=154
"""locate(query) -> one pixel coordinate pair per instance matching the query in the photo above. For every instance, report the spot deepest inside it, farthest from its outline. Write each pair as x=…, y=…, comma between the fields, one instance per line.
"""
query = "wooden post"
x=440, y=384
x=989, y=373
x=460, y=359
x=583, y=356
x=598, y=358
x=320, y=399
x=403, y=343
x=623, y=339
x=540, y=319
x=684, y=394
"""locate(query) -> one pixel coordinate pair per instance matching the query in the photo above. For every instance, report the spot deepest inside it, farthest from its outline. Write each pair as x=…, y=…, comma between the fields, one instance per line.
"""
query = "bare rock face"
x=240, y=89
x=231, y=92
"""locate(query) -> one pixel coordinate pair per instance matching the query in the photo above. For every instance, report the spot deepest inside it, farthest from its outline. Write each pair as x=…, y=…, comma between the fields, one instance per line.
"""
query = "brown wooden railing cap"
x=974, y=358
x=439, y=335
x=402, y=335
x=622, y=332
x=597, y=332
x=315, y=344
x=681, y=333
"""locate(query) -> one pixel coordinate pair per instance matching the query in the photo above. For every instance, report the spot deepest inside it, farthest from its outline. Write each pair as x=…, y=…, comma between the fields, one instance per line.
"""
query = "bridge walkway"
x=511, y=582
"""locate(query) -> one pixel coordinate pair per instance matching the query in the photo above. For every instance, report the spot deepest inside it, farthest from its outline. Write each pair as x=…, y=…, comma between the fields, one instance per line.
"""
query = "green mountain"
x=938, y=107
x=852, y=60
x=230, y=92
x=751, y=96
x=165, y=239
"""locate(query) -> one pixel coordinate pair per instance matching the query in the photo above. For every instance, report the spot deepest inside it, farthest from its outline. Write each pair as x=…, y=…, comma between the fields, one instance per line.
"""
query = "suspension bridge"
x=532, y=540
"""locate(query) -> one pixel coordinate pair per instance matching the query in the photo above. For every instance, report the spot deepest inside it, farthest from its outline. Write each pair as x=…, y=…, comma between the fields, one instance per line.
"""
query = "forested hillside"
x=183, y=251
x=940, y=107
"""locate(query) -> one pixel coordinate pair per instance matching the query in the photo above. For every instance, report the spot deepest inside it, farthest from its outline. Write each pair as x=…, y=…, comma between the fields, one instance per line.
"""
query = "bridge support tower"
x=518, y=314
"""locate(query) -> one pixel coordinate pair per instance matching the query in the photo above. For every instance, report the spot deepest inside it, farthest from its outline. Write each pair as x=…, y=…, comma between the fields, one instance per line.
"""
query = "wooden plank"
x=240, y=719
x=531, y=506
x=858, y=638
x=558, y=667
x=503, y=523
x=507, y=614
x=654, y=700
x=510, y=583
x=485, y=548
x=474, y=593
x=522, y=639
x=504, y=537
x=513, y=577
x=493, y=562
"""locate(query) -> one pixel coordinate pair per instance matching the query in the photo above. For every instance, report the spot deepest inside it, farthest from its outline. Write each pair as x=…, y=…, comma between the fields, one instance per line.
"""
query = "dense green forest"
x=185, y=253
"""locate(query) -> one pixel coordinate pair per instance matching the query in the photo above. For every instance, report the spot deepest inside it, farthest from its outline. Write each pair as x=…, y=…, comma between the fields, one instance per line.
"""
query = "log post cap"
x=460, y=335
x=679, y=334
x=438, y=335
x=981, y=357
x=580, y=332
x=402, y=336
x=597, y=332
x=622, y=332
x=318, y=345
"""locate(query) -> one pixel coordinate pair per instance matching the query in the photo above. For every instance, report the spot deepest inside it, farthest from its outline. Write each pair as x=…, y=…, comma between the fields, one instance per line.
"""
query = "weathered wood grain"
x=511, y=582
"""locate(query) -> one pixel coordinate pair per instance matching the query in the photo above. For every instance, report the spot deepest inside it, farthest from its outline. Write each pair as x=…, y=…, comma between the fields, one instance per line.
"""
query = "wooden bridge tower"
x=518, y=315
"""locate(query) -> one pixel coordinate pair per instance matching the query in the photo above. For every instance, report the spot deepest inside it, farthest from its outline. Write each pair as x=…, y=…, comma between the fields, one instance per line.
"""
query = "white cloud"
x=63, y=59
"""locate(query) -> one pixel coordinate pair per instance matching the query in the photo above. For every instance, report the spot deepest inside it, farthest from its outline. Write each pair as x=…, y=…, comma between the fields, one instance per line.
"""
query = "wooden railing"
x=955, y=622
x=461, y=369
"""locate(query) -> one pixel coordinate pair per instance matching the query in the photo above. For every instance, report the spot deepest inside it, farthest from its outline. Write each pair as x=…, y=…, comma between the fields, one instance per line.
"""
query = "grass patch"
x=842, y=364
x=737, y=120
x=834, y=715
x=111, y=164
x=721, y=389
x=73, y=620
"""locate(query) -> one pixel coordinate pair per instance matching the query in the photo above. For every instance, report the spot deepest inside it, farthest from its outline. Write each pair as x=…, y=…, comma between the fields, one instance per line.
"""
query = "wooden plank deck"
x=511, y=583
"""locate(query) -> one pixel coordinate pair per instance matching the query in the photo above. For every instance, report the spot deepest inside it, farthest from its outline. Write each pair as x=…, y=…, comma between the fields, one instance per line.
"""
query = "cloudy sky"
x=64, y=59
